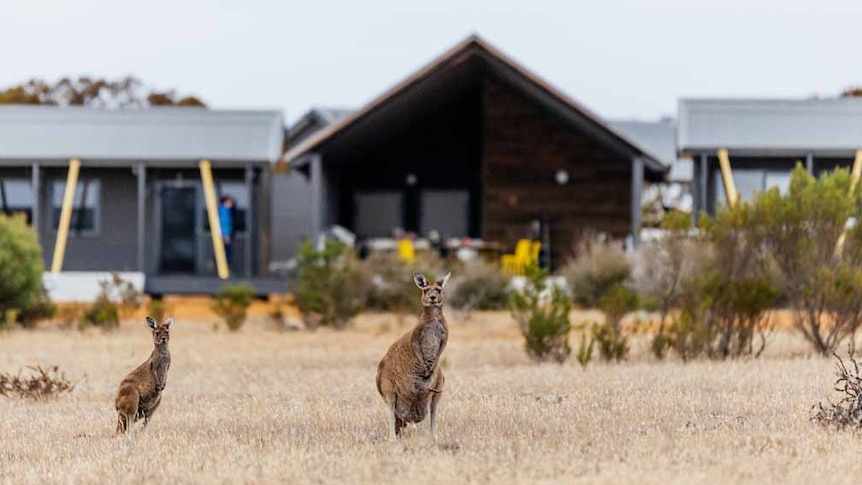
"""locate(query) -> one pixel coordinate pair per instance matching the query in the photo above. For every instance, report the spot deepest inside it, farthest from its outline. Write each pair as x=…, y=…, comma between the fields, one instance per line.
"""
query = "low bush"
x=41, y=309
x=616, y=303
x=231, y=304
x=117, y=299
x=598, y=266
x=23, y=299
x=723, y=310
x=390, y=281
x=70, y=314
x=586, y=343
x=542, y=313
x=42, y=384
x=847, y=412
x=661, y=268
x=102, y=313
x=479, y=286
x=390, y=284
x=128, y=298
x=330, y=289
x=801, y=230
x=8, y=319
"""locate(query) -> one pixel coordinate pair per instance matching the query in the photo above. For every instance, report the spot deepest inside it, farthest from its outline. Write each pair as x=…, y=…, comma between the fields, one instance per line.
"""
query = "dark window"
x=85, y=207
x=378, y=213
x=445, y=211
x=16, y=198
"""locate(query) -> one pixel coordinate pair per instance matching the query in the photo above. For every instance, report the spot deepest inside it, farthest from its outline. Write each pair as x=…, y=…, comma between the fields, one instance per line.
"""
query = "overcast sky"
x=622, y=58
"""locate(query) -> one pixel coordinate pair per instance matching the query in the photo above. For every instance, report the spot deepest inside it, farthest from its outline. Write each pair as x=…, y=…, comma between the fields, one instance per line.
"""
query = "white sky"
x=621, y=58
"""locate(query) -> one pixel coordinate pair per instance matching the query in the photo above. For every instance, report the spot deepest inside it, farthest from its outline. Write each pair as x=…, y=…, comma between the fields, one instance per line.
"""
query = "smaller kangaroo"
x=140, y=393
x=409, y=378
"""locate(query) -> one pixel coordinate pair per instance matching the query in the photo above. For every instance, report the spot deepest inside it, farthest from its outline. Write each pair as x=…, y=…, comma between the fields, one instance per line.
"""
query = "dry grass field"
x=262, y=406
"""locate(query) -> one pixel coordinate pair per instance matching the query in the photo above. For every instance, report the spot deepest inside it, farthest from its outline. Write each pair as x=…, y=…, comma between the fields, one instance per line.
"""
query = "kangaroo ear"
x=151, y=322
x=420, y=280
x=168, y=322
x=442, y=281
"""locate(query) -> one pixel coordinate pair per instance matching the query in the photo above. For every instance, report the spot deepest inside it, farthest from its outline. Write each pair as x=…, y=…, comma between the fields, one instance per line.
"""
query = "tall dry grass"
x=261, y=406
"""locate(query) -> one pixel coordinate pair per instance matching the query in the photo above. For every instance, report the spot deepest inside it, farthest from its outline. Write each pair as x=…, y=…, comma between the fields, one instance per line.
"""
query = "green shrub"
x=542, y=313
x=585, y=350
x=801, y=230
x=128, y=298
x=723, y=309
x=102, y=313
x=616, y=303
x=479, y=286
x=662, y=266
x=597, y=267
x=8, y=319
x=390, y=284
x=21, y=270
x=390, y=281
x=231, y=304
x=117, y=299
x=71, y=314
x=330, y=290
x=42, y=309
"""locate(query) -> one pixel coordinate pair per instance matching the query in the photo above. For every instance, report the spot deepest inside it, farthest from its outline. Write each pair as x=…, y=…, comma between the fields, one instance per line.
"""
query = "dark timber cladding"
x=522, y=150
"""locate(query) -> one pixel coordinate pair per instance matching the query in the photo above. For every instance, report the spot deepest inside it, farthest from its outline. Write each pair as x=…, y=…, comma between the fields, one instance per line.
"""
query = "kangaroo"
x=140, y=393
x=409, y=378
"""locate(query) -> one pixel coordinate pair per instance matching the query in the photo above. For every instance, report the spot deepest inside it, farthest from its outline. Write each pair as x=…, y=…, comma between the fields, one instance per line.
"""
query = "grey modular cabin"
x=138, y=204
x=765, y=139
x=472, y=144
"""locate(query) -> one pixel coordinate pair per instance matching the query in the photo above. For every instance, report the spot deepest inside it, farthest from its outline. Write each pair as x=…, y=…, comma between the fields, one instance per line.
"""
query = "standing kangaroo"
x=409, y=377
x=140, y=393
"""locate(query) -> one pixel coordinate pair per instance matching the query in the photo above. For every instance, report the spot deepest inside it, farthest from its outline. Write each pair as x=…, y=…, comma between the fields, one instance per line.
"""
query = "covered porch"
x=741, y=147
x=145, y=207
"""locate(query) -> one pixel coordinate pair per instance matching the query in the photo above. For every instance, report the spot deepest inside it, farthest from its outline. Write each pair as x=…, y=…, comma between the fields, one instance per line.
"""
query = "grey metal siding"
x=114, y=246
x=291, y=214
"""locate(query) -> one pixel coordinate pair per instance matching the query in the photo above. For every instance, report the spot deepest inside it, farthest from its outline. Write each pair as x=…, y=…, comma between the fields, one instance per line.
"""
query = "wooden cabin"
x=473, y=144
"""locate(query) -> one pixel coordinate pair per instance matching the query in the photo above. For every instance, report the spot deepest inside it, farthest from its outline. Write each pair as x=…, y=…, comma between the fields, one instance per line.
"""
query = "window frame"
x=96, y=231
x=28, y=210
x=763, y=173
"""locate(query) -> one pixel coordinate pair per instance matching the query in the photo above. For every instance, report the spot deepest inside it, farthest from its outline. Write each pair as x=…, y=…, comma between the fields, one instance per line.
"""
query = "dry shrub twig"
x=42, y=384
x=846, y=413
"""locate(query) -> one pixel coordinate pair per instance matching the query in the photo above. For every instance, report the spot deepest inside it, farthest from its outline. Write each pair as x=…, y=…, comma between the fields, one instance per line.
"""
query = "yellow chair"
x=513, y=264
x=406, y=251
x=535, y=249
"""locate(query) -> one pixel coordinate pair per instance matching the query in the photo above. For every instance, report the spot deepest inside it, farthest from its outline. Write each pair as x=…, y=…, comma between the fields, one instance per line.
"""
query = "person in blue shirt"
x=225, y=217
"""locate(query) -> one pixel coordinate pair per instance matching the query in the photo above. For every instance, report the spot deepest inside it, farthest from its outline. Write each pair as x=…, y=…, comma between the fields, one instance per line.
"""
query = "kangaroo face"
x=161, y=333
x=432, y=294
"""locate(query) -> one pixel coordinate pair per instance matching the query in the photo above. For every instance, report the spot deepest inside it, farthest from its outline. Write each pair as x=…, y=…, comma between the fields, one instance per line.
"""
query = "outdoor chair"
x=526, y=252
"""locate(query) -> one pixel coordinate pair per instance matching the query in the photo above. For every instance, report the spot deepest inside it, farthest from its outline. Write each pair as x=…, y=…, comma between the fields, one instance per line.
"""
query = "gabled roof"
x=470, y=49
x=168, y=134
x=826, y=127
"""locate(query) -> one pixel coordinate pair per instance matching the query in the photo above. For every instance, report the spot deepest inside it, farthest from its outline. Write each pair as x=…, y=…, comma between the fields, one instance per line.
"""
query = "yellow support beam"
x=212, y=213
x=65, y=215
x=727, y=177
x=855, y=174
